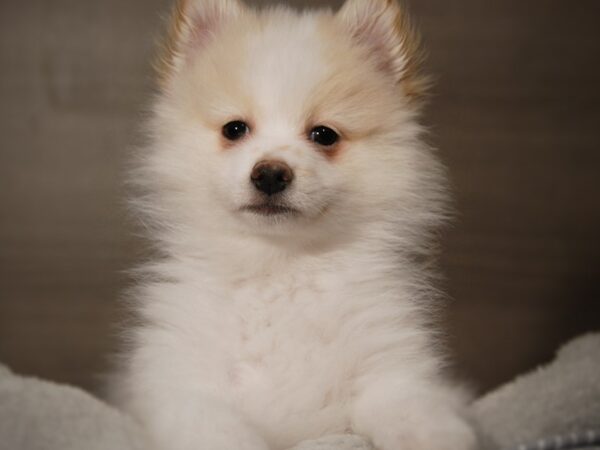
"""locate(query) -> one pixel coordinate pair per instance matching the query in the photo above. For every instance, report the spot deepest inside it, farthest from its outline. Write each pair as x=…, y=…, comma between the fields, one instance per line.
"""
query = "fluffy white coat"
x=256, y=332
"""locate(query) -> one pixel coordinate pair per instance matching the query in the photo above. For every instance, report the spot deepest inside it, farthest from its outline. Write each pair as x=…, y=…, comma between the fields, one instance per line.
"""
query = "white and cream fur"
x=256, y=332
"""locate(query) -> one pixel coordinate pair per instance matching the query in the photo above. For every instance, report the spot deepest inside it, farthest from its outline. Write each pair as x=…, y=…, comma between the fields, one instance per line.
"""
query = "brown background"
x=516, y=115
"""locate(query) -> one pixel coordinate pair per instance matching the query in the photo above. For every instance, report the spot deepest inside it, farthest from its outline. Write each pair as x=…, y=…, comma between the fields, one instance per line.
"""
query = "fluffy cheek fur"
x=205, y=185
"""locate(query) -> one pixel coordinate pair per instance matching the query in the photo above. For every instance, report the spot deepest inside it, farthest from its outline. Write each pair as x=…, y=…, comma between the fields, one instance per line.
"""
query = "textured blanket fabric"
x=553, y=407
x=556, y=407
x=40, y=415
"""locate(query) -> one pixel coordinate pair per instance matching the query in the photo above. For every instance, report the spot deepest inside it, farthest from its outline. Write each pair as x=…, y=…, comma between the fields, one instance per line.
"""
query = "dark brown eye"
x=323, y=135
x=235, y=130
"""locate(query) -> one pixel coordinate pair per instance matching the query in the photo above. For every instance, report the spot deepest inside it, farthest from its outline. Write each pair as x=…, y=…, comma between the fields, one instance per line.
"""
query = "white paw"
x=447, y=432
x=336, y=442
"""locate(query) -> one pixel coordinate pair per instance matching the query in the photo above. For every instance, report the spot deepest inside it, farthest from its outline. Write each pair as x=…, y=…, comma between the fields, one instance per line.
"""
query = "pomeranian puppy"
x=293, y=206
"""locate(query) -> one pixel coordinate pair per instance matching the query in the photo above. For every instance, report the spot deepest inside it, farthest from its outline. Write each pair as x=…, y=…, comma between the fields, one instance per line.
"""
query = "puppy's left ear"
x=383, y=27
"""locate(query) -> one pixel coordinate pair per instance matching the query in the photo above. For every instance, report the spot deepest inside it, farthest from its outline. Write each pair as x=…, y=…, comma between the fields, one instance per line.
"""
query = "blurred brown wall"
x=516, y=116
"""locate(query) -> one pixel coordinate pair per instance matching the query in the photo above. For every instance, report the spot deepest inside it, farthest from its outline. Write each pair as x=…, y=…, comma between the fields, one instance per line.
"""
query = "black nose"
x=271, y=177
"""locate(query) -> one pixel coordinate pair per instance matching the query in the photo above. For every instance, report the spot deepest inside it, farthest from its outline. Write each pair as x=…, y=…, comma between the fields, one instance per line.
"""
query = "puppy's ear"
x=193, y=23
x=383, y=27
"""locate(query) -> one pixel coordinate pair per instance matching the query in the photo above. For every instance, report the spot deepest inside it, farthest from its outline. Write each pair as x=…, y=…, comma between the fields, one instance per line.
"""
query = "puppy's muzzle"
x=271, y=177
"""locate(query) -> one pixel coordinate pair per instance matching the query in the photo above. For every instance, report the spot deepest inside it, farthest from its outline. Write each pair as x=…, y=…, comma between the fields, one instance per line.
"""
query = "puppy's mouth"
x=270, y=209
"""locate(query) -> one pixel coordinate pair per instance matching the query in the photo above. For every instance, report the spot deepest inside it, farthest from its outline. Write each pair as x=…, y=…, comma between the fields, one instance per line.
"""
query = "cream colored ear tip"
x=385, y=27
x=191, y=23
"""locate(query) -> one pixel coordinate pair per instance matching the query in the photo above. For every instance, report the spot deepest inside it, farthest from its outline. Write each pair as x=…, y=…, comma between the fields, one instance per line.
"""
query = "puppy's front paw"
x=416, y=422
x=436, y=432
x=336, y=442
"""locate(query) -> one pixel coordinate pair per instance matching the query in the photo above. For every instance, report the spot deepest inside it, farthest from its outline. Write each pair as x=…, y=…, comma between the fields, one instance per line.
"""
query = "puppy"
x=292, y=204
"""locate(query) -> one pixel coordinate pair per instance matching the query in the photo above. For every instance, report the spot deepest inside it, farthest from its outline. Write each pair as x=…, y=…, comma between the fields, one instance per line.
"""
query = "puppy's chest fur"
x=282, y=330
x=285, y=346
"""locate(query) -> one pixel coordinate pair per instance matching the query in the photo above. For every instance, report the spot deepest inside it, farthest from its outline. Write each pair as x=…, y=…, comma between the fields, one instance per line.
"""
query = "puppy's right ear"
x=192, y=25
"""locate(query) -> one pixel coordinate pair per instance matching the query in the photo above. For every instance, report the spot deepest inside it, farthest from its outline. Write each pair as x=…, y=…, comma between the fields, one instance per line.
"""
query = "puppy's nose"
x=271, y=177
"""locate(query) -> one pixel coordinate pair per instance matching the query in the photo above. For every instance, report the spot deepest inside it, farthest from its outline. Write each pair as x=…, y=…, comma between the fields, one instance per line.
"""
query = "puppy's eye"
x=235, y=130
x=323, y=135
